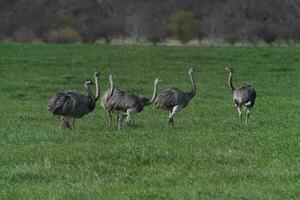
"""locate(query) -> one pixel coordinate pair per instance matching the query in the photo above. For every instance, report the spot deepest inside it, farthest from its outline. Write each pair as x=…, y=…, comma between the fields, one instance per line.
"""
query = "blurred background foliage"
x=155, y=21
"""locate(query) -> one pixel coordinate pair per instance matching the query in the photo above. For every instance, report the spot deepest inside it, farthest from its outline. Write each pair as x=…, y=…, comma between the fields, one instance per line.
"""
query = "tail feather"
x=60, y=104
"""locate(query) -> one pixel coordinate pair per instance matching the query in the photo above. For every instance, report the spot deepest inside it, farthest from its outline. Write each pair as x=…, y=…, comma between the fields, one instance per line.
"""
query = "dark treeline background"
x=230, y=21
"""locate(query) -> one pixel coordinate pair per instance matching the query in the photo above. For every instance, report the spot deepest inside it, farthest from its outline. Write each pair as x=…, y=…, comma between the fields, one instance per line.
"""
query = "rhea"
x=174, y=99
x=105, y=99
x=125, y=103
x=71, y=105
x=243, y=96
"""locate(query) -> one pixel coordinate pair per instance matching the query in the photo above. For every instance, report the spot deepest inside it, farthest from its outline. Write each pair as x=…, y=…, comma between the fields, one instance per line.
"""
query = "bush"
x=267, y=33
x=183, y=25
x=154, y=39
x=232, y=38
x=64, y=35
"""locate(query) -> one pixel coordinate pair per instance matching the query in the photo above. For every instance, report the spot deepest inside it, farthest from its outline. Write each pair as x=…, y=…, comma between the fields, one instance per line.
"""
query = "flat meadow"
x=207, y=155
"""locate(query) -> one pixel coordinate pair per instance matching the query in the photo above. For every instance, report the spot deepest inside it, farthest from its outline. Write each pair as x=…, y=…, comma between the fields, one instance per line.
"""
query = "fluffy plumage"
x=123, y=100
x=243, y=96
x=125, y=103
x=71, y=105
x=174, y=99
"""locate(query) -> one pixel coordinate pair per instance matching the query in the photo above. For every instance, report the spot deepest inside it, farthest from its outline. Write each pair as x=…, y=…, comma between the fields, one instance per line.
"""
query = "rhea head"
x=96, y=74
x=157, y=80
x=111, y=77
x=192, y=70
x=88, y=84
x=229, y=69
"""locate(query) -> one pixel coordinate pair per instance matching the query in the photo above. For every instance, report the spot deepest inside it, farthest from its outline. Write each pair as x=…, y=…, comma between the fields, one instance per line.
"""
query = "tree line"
x=231, y=21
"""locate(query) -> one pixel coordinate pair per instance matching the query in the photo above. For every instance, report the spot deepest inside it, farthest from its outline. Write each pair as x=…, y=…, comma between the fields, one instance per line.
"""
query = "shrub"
x=64, y=35
x=183, y=25
x=154, y=39
x=232, y=38
x=267, y=33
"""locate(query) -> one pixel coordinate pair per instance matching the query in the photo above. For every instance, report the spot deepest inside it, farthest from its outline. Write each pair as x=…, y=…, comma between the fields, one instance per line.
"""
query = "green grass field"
x=207, y=155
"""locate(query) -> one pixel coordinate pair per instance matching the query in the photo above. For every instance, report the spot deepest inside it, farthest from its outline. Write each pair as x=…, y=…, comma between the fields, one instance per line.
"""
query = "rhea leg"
x=129, y=113
x=175, y=110
x=121, y=119
x=240, y=114
x=117, y=118
x=171, y=121
x=247, y=116
x=62, y=122
x=66, y=122
x=73, y=122
x=69, y=125
x=109, y=118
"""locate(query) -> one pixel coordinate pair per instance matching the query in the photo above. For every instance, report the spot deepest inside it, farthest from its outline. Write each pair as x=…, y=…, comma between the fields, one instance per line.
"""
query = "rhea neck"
x=193, y=91
x=97, y=89
x=230, y=85
x=154, y=94
x=112, y=87
x=89, y=91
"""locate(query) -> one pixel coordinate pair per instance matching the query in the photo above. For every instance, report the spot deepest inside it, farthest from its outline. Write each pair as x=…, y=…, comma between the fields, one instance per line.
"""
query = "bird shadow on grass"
x=133, y=125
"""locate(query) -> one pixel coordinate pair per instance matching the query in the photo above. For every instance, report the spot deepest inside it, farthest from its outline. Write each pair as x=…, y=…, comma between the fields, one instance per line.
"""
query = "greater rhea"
x=71, y=105
x=243, y=96
x=105, y=103
x=125, y=103
x=174, y=99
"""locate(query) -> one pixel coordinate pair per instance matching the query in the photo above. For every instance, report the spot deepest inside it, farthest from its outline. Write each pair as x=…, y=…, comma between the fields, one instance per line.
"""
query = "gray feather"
x=71, y=104
x=172, y=97
x=243, y=95
x=123, y=100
